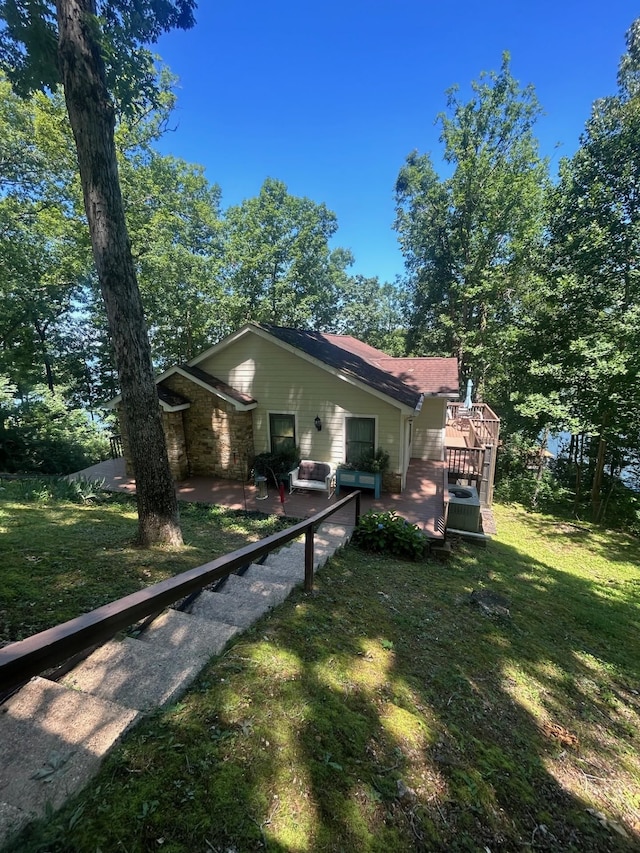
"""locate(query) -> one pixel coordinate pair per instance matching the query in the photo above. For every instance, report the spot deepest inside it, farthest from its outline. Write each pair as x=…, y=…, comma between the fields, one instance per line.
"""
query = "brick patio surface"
x=421, y=503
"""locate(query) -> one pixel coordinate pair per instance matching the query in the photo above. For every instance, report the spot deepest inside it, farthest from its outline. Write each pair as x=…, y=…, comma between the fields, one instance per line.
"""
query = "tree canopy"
x=468, y=239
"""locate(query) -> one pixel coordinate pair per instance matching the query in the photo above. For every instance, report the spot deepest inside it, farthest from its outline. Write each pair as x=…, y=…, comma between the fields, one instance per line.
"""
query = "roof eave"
x=239, y=407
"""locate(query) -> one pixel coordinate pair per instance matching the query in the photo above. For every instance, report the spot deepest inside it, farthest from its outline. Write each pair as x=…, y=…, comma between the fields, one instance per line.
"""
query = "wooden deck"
x=421, y=503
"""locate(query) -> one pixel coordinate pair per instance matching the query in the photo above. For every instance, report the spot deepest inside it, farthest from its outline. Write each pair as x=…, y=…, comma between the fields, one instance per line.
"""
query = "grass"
x=61, y=559
x=384, y=713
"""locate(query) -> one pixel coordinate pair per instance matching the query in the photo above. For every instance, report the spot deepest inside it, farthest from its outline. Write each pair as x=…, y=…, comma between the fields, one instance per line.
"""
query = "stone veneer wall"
x=173, y=426
x=213, y=432
x=174, y=439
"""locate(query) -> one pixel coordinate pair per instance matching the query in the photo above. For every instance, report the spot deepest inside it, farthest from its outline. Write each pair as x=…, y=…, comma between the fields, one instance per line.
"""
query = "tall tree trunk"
x=596, y=487
x=42, y=335
x=92, y=120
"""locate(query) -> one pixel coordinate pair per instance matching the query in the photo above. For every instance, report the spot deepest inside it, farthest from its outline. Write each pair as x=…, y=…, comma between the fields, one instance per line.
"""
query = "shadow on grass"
x=385, y=713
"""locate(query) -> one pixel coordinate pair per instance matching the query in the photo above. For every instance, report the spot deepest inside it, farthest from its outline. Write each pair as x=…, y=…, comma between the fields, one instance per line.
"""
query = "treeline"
x=202, y=271
x=532, y=282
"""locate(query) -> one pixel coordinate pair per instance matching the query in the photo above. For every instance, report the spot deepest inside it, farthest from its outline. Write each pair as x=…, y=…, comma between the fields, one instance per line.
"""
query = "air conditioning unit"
x=464, y=508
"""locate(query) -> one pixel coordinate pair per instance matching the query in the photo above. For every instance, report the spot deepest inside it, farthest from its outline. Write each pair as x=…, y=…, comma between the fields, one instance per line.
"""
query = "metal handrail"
x=23, y=659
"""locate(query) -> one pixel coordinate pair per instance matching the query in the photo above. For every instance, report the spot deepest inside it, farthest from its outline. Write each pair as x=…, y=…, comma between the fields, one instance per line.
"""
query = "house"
x=333, y=395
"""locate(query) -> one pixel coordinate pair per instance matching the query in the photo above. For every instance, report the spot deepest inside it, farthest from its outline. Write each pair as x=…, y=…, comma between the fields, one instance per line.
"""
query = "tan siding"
x=283, y=382
x=428, y=430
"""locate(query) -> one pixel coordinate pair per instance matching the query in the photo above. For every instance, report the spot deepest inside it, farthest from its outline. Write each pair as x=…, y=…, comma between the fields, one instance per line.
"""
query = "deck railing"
x=481, y=420
x=21, y=660
x=465, y=462
x=115, y=441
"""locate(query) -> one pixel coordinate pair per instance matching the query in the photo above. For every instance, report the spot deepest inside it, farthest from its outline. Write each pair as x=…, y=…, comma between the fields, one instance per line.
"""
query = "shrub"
x=372, y=463
x=46, y=489
x=388, y=533
x=41, y=435
x=276, y=465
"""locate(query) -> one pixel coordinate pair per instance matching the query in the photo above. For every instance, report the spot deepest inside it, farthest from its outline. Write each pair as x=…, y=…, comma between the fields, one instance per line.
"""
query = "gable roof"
x=172, y=401
x=405, y=381
x=214, y=384
x=401, y=378
x=346, y=361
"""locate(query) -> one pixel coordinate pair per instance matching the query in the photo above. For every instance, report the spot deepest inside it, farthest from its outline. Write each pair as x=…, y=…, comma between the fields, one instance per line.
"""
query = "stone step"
x=135, y=674
x=52, y=741
x=293, y=558
x=184, y=633
x=226, y=608
x=278, y=573
x=242, y=586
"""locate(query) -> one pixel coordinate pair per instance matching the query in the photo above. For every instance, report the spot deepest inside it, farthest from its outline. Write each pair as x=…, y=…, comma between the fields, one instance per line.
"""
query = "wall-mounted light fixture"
x=318, y=423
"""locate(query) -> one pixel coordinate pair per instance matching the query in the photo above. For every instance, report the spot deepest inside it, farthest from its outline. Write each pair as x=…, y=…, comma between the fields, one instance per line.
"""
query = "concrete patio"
x=421, y=503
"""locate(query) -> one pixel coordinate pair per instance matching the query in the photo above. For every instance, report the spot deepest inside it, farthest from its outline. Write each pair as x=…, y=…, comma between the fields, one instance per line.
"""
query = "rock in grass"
x=490, y=603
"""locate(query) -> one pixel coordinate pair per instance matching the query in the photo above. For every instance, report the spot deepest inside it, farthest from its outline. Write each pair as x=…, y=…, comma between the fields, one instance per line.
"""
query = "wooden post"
x=357, y=508
x=308, y=559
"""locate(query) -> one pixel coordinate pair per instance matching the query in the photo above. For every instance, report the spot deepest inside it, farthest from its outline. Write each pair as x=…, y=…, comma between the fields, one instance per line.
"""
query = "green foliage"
x=47, y=490
x=544, y=494
x=276, y=465
x=373, y=463
x=469, y=240
x=579, y=332
x=41, y=435
x=29, y=45
x=388, y=533
x=278, y=264
x=373, y=313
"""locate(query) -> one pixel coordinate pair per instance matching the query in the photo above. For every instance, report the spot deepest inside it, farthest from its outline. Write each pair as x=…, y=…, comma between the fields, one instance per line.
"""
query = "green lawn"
x=384, y=712
x=61, y=559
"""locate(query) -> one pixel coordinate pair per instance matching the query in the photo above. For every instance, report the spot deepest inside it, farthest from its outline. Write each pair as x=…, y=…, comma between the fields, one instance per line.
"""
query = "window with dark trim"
x=282, y=430
x=361, y=435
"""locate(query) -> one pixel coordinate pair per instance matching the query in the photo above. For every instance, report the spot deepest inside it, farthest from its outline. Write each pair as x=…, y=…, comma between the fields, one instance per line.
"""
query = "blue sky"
x=331, y=97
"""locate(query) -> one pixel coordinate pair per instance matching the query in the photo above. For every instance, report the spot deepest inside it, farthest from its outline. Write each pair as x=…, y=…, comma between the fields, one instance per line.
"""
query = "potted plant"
x=365, y=473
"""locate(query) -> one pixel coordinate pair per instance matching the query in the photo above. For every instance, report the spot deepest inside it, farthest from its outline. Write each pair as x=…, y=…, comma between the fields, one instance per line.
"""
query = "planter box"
x=359, y=480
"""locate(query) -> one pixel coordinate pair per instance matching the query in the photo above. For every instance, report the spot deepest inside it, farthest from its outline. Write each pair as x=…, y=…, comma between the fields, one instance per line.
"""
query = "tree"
x=278, y=264
x=175, y=227
x=44, y=256
x=468, y=239
x=583, y=333
x=372, y=312
x=39, y=49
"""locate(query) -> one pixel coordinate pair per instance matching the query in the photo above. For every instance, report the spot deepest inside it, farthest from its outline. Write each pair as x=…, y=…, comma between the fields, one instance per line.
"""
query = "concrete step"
x=183, y=633
x=227, y=608
x=343, y=532
x=240, y=586
x=135, y=674
x=52, y=741
x=278, y=573
x=292, y=557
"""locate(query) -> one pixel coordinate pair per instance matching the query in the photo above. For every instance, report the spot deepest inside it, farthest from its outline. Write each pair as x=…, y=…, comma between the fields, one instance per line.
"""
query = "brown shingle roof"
x=404, y=380
x=217, y=385
x=429, y=375
x=170, y=397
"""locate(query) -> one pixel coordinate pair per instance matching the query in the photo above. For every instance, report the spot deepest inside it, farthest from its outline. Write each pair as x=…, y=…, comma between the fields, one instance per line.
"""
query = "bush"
x=388, y=533
x=374, y=463
x=41, y=435
x=544, y=494
x=275, y=465
x=46, y=489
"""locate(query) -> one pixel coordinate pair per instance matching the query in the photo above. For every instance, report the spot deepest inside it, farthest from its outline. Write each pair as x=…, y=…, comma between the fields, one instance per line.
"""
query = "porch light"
x=318, y=423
